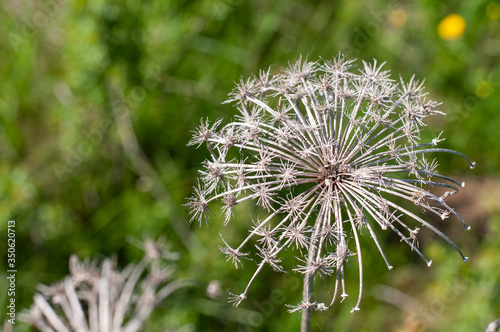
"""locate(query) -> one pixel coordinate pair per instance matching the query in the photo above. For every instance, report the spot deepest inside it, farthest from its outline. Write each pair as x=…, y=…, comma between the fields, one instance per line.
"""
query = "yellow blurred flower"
x=451, y=27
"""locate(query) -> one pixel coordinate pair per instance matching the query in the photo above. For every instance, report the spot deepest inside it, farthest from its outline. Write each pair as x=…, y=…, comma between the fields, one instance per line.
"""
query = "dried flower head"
x=328, y=152
x=104, y=299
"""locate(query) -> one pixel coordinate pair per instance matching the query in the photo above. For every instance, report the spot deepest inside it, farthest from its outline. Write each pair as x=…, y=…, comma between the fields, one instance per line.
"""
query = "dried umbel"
x=104, y=299
x=331, y=153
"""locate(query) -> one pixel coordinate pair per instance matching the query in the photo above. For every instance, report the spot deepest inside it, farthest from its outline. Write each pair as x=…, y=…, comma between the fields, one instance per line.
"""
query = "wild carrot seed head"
x=327, y=151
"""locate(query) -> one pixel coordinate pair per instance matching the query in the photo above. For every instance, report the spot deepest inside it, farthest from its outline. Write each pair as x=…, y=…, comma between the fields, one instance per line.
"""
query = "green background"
x=72, y=187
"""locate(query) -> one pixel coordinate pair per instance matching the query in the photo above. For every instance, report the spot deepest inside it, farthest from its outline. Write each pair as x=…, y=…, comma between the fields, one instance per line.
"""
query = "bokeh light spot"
x=484, y=89
x=493, y=11
x=398, y=17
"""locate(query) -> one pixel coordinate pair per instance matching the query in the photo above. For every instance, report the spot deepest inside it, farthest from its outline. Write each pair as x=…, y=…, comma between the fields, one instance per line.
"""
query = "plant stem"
x=305, y=325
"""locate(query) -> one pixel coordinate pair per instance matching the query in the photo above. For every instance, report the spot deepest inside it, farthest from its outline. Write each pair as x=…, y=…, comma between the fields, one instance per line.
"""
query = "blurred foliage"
x=72, y=187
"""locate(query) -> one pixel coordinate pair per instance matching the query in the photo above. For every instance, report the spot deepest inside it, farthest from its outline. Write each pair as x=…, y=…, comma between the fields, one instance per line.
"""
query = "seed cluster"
x=328, y=152
x=94, y=298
